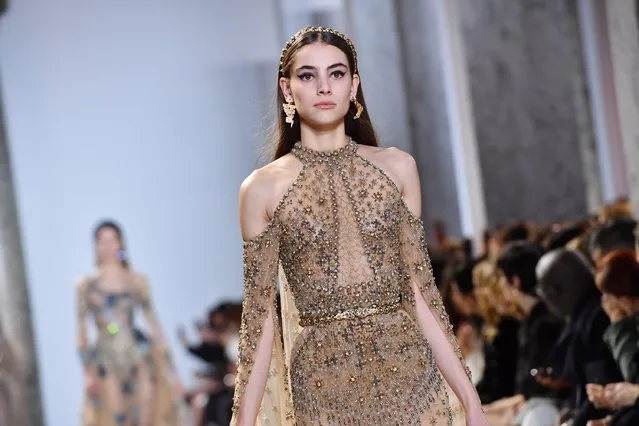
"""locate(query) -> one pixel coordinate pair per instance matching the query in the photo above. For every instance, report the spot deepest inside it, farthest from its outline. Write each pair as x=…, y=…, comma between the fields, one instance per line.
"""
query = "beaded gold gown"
x=349, y=349
x=134, y=372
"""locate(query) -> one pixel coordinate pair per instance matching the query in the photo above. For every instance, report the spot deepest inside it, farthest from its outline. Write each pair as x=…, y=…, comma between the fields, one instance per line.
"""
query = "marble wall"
x=525, y=77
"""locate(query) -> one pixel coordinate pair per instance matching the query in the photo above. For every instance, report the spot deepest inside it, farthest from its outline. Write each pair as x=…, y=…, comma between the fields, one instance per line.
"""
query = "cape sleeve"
x=259, y=313
x=414, y=253
x=417, y=266
x=160, y=342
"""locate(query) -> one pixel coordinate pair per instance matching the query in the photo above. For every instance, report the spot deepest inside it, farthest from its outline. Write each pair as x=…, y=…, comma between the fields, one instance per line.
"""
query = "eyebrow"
x=310, y=67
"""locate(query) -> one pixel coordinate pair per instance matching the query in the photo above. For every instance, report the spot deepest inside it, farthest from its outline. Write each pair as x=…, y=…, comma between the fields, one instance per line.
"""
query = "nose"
x=323, y=86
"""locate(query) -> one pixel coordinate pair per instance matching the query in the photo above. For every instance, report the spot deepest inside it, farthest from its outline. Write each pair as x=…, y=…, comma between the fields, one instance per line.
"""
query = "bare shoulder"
x=141, y=284
x=82, y=284
x=265, y=186
x=139, y=278
x=398, y=164
x=262, y=191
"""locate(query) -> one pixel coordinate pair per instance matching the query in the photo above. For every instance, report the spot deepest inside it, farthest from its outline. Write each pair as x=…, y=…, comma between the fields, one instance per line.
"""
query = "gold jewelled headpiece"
x=306, y=30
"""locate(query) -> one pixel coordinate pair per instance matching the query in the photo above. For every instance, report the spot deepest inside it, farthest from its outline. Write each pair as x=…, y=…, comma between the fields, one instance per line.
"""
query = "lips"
x=325, y=105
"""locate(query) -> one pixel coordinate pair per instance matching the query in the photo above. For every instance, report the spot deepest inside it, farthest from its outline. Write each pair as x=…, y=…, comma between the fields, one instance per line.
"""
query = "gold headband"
x=306, y=30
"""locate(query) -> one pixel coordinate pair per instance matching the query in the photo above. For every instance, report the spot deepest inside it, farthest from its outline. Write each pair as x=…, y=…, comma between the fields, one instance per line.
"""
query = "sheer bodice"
x=339, y=240
x=116, y=349
x=349, y=249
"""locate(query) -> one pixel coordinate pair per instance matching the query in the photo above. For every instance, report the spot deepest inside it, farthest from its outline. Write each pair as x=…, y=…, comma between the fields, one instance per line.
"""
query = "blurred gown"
x=349, y=349
x=122, y=358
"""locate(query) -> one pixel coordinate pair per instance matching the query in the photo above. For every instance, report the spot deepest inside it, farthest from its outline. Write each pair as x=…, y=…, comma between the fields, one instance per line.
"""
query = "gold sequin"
x=350, y=249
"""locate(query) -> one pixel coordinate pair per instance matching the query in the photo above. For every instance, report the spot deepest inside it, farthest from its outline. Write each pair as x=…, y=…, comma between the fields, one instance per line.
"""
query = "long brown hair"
x=109, y=224
x=284, y=136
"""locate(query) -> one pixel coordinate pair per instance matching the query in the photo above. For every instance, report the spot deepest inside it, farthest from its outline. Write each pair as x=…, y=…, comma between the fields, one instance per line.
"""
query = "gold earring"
x=289, y=110
x=360, y=108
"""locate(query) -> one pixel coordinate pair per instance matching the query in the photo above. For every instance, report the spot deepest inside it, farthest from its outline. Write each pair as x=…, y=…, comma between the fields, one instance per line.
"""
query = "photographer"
x=211, y=401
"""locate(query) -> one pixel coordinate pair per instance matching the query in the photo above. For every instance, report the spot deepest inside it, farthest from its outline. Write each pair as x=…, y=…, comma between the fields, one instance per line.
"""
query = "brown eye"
x=305, y=76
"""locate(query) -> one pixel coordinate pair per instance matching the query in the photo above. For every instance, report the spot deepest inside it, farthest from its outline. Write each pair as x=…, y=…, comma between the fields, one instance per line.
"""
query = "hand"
x=613, y=308
x=564, y=416
x=621, y=395
x=600, y=422
x=552, y=383
x=502, y=414
x=506, y=404
x=596, y=395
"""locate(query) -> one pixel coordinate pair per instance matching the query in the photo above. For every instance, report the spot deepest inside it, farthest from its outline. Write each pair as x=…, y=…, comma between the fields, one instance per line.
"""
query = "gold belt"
x=306, y=321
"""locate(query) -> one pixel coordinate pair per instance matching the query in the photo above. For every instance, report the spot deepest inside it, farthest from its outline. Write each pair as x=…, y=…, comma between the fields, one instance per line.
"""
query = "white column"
x=599, y=73
x=623, y=34
x=17, y=342
x=470, y=193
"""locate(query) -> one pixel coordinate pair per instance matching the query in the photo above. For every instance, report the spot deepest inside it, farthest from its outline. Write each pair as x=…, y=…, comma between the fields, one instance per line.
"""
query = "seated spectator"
x=538, y=333
x=488, y=376
x=610, y=237
x=622, y=398
x=501, y=326
x=212, y=401
x=539, y=328
x=210, y=349
x=480, y=357
x=567, y=286
x=618, y=280
x=463, y=300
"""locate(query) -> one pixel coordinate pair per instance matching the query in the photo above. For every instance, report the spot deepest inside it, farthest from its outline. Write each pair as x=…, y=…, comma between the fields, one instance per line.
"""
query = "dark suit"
x=581, y=357
x=538, y=335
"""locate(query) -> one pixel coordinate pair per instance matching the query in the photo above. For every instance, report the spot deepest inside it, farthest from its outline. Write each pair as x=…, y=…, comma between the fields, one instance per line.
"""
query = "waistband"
x=310, y=320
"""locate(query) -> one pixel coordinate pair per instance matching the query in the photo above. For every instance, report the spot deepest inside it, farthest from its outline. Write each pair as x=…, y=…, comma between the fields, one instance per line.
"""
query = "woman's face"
x=508, y=295
x=617, y=308
x=320, y=85
x=108, y=246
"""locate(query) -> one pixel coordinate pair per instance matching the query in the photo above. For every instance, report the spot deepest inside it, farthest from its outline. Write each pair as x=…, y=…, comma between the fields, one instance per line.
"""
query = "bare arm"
x=261, y=251
x=430, y=312
x=82, y=311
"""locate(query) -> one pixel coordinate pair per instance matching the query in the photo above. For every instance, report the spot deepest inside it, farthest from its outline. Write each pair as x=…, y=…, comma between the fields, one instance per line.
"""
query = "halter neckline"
x=302, y=151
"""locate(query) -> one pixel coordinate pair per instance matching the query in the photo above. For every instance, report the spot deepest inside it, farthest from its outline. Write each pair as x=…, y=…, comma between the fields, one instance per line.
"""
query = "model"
x=363, y=337
x=129, y=379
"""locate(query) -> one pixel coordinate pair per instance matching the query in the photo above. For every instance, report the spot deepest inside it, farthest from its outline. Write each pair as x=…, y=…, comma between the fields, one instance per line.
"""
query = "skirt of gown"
x=164, y=408
x=377, y=370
